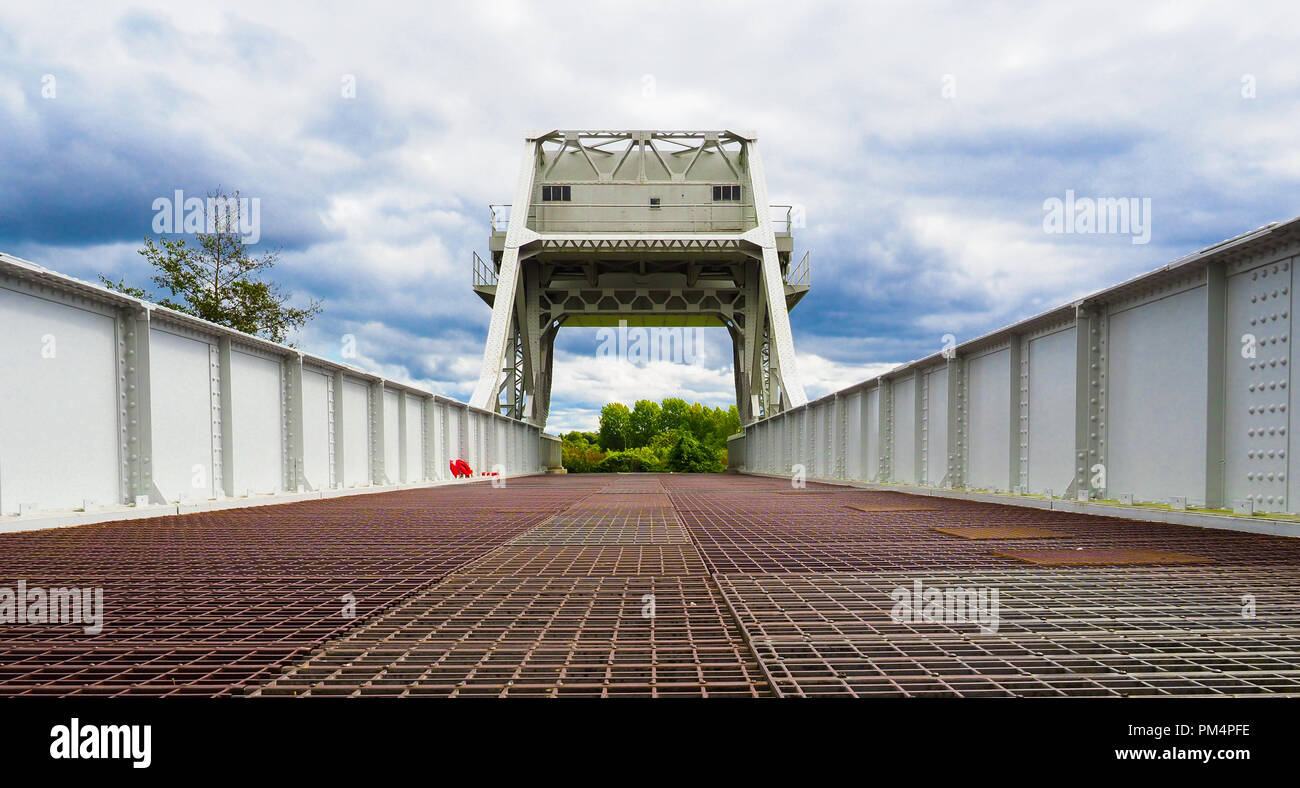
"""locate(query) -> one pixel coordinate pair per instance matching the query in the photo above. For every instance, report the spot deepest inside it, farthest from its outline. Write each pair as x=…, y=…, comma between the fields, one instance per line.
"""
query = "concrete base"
x=1256, y=524
x=106, y=514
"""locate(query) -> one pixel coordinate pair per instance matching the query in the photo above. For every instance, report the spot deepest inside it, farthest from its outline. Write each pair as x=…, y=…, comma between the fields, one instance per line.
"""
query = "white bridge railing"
x=1174, y=388
x=106, y=400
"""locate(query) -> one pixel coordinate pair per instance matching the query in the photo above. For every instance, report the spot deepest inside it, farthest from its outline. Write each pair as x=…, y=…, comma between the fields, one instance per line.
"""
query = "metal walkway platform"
x=642, y=585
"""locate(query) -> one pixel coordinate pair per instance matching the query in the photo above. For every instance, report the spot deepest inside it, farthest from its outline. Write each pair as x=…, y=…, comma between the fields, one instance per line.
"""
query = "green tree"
x=218, y=280
x=689, y=456
x=614, y=421
x=644, y=423
x=672, y=414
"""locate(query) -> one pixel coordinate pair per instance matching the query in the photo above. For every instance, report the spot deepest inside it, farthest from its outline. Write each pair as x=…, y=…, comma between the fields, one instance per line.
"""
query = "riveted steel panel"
x=1155, y=403
x=1256, y=417
x=392, y=437
x=936, y=407
x=59, y=420
x=255, y=395
x=356, y=433
x=905, y=426
x=316, y=429
x=181, y=406
x=853, y=448
x=1051, y=412
x=990, y=421
x=414, y=438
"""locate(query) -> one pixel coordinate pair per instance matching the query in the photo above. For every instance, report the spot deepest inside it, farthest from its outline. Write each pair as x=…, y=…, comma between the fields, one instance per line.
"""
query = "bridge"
x=1094, y=501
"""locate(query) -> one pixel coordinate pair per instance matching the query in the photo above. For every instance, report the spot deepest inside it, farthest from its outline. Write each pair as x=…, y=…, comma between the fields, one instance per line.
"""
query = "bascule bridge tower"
x=657, y=228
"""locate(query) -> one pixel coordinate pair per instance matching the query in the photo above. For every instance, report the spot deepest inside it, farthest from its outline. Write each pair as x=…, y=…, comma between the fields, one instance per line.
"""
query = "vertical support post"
x=508, y=284
x=885, y=413
x=1216, y=369
x=294, y=460
x=227, y=417
x=1089, y=404
x=378, y=471
x=462, y=436
x=139, y=409
x=781, y=360
x=956, y=476
x=218, y=488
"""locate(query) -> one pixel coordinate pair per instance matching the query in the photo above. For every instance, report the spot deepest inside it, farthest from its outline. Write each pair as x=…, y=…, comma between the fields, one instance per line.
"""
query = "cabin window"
x=557, y=193
x=727, y=193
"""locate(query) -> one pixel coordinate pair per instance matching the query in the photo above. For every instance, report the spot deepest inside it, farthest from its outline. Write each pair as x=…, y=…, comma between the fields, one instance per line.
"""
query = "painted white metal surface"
x=1155, y=406
x=936, y=456
x=990, y=421
x=108, y=399
x=392, y=438
x=356, y=432
x=1188, y=393
x=414, y=442
x=181, y=370
x=58, y=419
x=258, y=423
x=316, y=434
x=1051, y=393
x=904, y=460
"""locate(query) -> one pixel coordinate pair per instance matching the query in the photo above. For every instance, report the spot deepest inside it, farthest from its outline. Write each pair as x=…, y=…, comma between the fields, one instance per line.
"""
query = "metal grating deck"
x=540, y=588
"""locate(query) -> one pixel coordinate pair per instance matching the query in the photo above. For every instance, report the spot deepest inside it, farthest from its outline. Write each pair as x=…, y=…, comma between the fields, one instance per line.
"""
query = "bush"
x=689, y=456
x=639, y=460
x=580, y=457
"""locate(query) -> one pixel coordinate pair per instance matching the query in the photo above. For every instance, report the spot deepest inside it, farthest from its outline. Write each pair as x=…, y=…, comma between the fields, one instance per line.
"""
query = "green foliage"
x=580, y=457
x=647, y=437
x=588, y=438
x=643, y=424
x=689, y=456
x=638, y=460
x=614, y=423
x=219, y=281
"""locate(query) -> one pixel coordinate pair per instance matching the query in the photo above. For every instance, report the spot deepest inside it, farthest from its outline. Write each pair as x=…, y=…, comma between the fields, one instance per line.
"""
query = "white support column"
x=885, y=406
x=956, y=476
x=1216, y=368
x=378, y=473
x=227, y=418
x=294, y=422
x=1089, y=403
x=503, y=307
x=137, y=388
x=781, y=358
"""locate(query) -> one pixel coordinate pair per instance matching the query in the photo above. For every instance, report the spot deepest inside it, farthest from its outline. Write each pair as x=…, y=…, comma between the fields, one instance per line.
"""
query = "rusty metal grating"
x=1112, y=632
x=536, y=589
x=550, y=636
x=639, y=527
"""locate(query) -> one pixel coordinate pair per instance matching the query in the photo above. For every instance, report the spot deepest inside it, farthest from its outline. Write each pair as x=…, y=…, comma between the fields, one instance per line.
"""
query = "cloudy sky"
x=921, y=139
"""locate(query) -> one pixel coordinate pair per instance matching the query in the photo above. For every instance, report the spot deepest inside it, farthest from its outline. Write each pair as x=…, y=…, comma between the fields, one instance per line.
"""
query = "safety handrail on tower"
x=485, y=275
x=801, y=274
